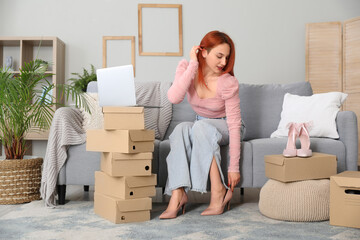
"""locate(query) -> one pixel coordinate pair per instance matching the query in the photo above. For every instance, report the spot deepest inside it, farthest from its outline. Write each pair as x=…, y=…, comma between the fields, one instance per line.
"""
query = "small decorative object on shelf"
x=9, y=62
x=43, y=65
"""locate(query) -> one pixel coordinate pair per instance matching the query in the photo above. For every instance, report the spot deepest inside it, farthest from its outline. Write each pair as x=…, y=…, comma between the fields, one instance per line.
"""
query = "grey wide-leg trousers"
x=193, y=146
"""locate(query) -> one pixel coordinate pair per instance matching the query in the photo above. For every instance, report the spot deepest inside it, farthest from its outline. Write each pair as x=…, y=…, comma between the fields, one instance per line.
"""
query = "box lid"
x=347, y=179
x=136, y=204
x=141, y=181
x=142, y=135
x=275, y=159
x=126, y=156
x=122, y=110
x=280, y=159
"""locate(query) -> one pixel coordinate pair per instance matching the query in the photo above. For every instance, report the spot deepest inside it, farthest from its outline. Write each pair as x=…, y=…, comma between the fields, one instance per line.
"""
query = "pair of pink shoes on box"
x=301, y=131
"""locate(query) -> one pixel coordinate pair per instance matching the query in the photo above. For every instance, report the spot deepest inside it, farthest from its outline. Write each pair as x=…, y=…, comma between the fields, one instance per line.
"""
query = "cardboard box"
x=123, y=141
x=125, y=118
x=125, y=187
x=126, y=164
x=284, y=169
x=122, y=211
x=345, y=199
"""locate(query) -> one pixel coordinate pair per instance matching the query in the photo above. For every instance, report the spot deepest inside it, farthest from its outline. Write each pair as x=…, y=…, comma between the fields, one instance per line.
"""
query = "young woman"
x=213, y=92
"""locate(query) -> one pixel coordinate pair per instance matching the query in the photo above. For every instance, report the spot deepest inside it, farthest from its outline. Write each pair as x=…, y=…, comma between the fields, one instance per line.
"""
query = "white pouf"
x=303, y=201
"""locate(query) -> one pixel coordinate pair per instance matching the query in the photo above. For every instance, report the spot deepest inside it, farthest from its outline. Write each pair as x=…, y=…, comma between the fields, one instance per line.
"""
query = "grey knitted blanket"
x=67, y=129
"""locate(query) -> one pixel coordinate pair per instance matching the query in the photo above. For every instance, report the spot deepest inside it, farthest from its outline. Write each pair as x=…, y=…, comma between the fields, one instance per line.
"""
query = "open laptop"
x=116, y=87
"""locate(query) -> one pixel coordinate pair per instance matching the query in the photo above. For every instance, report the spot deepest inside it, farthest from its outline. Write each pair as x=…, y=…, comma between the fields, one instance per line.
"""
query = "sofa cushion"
x=272, y=146
x=261, y=106
x=181, y=112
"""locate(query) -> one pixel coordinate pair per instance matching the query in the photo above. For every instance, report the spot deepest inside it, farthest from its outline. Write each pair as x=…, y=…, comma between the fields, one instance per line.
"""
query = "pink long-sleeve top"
x=225, y=103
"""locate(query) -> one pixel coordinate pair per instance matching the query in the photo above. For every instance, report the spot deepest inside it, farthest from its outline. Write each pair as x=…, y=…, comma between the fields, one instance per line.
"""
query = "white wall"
x=269, y=34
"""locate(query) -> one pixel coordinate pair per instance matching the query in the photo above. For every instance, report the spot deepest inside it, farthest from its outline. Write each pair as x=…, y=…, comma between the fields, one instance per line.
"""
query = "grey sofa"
x=261, y=106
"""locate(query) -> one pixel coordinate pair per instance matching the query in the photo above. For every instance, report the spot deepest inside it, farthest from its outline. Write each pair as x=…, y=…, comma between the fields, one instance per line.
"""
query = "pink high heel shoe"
x=290, y=150
x=173, y=214
x=219, y=210
x=304, y=137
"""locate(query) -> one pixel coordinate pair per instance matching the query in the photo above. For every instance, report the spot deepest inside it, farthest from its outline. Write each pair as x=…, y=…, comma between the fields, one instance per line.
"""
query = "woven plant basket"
x=20, y=180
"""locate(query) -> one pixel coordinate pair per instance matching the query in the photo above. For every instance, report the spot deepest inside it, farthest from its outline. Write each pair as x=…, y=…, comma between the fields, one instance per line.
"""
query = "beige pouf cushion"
x=303, y=201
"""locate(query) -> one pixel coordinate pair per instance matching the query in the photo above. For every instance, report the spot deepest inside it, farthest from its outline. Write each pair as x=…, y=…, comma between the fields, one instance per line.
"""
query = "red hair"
x=211, y=40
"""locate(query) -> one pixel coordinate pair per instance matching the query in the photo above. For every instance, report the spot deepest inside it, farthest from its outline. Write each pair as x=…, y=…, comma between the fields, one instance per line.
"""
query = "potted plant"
x=43, y=65
x=83, y=80
x=25, y=105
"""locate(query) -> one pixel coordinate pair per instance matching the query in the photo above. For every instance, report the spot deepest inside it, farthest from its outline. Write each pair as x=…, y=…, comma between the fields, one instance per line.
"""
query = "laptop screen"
x=116, y=86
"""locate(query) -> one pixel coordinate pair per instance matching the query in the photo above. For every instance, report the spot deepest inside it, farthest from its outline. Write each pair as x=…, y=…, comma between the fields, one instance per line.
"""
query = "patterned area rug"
x=76, y=220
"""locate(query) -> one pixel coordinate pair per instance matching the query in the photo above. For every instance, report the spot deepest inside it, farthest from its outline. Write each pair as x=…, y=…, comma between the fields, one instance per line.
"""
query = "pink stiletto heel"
x=290, y=150
x=304, y=137
x=219, y=210
x=173, y=214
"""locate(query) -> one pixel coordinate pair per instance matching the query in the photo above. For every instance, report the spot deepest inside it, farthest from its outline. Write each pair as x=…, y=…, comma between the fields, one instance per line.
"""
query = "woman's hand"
x=193, y=53
x=233, y=179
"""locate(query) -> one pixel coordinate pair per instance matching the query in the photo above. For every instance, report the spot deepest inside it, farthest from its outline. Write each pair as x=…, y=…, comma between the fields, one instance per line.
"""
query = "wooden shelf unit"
x=25, y=47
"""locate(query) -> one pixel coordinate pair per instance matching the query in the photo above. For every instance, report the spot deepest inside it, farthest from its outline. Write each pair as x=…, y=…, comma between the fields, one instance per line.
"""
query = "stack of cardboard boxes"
x=344, y=187
x=125, y=183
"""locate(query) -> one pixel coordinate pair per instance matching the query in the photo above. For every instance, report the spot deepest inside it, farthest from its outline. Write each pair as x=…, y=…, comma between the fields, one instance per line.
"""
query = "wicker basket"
x=20, y=180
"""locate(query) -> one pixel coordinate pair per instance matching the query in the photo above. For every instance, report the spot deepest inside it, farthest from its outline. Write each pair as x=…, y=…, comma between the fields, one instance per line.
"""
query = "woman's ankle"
x=218, y=189
x=179, y=191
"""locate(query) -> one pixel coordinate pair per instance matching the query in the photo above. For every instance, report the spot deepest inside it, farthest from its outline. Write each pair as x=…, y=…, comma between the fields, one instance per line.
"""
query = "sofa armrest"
x=92, y=87
x=346, y=122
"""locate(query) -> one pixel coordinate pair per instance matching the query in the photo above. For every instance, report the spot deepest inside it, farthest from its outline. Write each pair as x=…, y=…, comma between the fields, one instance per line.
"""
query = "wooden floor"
x=76, y=193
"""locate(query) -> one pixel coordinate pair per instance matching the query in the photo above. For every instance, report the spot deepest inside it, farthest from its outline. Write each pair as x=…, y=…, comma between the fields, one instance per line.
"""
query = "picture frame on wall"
x=116, y=57
x=160, y=30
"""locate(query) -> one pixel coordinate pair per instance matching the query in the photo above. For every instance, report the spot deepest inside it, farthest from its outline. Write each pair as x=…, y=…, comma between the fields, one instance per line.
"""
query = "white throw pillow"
x=320, y=108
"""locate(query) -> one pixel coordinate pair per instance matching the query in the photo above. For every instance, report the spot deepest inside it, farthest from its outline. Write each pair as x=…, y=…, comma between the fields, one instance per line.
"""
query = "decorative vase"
x=20, y=180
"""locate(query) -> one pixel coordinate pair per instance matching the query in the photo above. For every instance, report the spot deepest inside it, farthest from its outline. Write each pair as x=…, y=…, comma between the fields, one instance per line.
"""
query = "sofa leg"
x=86, y=188
x=61, y=193
x=242, y=191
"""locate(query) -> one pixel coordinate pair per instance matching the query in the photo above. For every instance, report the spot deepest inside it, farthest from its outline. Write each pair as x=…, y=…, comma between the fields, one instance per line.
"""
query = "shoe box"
x=118, y=210
x=124, y=118
x=345, y=199
x=125, y=184
x=122, y=141
x=122, y=164
x=284, y=169
x=127, y=187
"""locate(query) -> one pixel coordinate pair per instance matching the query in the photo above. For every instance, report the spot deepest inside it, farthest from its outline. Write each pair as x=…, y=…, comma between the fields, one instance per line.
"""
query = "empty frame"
x=160, y=29
x=120, y=53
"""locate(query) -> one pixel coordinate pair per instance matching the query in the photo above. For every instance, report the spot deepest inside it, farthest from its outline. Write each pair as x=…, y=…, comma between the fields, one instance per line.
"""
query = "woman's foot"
x=218, y=201
x=217, y=198
x=178, y=200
